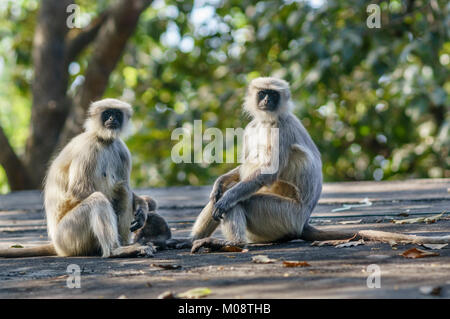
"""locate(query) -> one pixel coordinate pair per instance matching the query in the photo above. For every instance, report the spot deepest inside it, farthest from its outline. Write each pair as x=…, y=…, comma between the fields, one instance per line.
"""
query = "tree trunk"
x=50, y=102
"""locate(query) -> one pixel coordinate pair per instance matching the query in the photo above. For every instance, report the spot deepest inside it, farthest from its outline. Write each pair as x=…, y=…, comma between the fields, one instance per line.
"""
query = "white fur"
x=94, y=123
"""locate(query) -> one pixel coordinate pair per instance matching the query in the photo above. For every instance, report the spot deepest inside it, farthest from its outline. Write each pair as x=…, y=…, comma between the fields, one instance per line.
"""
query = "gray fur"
x=87, y=194
x=249, y=213
x=275, y=207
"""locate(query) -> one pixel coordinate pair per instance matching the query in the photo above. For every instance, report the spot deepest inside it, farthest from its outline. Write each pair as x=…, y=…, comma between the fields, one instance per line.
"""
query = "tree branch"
x=109, y=46
x=16, y=173
x=76, y=43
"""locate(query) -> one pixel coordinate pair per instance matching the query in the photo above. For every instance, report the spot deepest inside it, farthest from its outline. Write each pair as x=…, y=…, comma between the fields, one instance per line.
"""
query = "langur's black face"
x=112, y=119
x=268, y=100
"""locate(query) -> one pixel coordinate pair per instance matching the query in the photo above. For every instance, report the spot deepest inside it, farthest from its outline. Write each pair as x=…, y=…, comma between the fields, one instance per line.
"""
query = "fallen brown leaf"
x=417, y=253
x=295, y=264
x=232, y=249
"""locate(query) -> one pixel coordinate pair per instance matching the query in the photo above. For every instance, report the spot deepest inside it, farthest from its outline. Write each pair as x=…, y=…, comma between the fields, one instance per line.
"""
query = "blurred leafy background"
x=376, y=101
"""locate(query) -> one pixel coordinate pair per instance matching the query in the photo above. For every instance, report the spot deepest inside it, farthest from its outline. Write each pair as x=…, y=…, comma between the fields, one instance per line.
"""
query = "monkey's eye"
x=261, y=95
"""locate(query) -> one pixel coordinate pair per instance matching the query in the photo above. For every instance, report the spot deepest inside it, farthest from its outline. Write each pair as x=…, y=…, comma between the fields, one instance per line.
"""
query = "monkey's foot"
x=216, y=245
x=133, y=251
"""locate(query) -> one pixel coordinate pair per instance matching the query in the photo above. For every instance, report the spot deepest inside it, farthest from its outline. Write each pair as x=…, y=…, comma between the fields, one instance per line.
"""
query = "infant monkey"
x=148, y=226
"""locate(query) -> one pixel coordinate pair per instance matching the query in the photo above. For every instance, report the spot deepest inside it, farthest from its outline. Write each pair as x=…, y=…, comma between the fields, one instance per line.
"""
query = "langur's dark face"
x=267, y=100
x=112, y=119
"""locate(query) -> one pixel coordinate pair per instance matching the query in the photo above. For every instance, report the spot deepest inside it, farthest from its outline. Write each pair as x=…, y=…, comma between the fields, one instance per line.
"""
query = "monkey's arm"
x=242, y=191
x=121, y=197
x=223, y=183
x=246, y=188
x=140, y=215
x=79, y=186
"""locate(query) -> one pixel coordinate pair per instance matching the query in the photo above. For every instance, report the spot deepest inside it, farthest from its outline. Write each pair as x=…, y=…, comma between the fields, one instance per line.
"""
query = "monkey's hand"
x=221, y=208
x=217, y=191
x=140, y=217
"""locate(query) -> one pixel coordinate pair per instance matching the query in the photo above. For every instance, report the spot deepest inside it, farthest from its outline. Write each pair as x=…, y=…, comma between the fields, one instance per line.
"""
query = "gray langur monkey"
x=87, y=194
x=256, y=205
x=148, y=226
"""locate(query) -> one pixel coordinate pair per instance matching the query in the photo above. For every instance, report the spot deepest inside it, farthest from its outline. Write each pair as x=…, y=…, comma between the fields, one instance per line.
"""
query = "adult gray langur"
x=87, y=196
x=256, y=204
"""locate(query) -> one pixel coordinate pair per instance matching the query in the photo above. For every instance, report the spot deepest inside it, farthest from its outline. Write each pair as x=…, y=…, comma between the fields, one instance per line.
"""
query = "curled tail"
x=311, y=233
x=43, y=250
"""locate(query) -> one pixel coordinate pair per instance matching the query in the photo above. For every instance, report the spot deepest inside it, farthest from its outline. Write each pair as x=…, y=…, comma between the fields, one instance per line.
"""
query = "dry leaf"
x=434, y=246
x=263, y=259
x=351, y=244
x=296, y=264
x=428, y=220
x=332, y=242
x=195, y=293
x=429, y=290
x=167, y=266
x=348, y=222
x=417, y=253
x=232, y=249
x=167, y=295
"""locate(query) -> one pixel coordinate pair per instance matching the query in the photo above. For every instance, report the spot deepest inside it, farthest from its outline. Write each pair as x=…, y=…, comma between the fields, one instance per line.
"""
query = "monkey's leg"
x=88, y=229
x=204, y=225
x=233, y=225
x=260, y=219
x=271, y=218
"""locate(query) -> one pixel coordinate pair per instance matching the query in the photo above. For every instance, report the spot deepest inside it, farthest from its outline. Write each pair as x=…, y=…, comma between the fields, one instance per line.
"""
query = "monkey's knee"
x=89, y=229
x=204, y=225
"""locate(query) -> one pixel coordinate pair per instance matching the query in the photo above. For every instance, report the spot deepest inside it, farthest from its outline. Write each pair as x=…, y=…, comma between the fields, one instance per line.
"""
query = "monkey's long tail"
x=43, y=250
x=311, y=233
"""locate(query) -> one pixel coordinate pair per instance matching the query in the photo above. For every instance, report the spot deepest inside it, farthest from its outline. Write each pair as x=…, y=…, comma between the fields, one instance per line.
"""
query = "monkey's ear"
x=288, y=95
x=150, y=202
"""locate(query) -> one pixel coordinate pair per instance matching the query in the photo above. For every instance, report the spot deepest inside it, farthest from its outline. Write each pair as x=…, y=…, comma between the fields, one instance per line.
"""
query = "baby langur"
x=271, y=195
x=87, y=194
x=148, y=226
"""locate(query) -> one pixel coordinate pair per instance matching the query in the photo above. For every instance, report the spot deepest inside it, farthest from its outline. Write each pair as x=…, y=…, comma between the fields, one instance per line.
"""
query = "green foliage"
x=375, y=101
